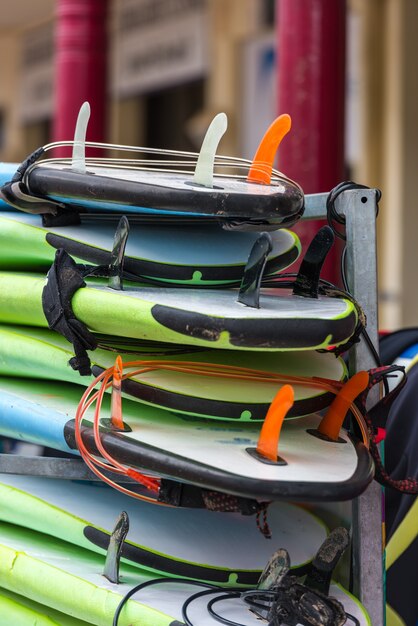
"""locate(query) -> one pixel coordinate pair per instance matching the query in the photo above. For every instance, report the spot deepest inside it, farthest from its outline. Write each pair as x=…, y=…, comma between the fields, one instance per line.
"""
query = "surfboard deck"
x=195, y=256
x=41, y=353
x=69, y=579
x=171, y=445
x=191, y=543
x=210, y=318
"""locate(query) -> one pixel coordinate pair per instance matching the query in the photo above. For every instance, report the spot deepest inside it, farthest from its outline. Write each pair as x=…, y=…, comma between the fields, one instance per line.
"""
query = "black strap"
x=17, y=194
x=185, y=495
x=63, y=280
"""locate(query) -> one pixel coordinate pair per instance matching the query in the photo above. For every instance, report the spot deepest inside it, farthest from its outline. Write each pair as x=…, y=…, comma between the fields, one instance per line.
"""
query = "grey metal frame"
x=359, y=209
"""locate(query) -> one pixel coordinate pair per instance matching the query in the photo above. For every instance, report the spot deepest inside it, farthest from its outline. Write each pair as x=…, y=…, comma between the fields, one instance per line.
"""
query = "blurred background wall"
x=172, y=64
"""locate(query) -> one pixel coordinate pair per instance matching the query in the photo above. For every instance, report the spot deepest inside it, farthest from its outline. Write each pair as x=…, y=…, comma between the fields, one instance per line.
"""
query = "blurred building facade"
x=173, y=64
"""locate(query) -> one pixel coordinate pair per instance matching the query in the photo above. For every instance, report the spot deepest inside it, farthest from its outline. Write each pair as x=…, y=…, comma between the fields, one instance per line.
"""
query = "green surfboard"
x=206, y=256
x=40, y=353
x=20, y=611
x=69, y=579
x=210, y=318
x=164, y=540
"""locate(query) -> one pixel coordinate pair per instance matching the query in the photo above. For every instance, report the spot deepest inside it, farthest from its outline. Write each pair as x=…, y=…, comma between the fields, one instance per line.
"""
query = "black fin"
x=118, y=254
x=276, y=569
x=307, y=280
x=326, y=559
x=249, y=292
x=111, y=568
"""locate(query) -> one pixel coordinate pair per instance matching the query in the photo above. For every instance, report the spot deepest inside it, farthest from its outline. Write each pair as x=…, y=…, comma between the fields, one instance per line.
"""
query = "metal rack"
x=359, y=209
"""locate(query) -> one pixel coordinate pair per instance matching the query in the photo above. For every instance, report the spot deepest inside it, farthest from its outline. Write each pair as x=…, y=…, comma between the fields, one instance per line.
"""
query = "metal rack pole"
x=359, y=208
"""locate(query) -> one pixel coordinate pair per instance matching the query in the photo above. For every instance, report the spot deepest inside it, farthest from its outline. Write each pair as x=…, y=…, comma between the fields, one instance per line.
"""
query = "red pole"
x=311, y=62
x=80, y=66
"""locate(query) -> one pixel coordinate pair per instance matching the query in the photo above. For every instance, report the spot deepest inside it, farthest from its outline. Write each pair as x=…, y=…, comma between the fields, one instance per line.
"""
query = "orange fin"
x=332, y=422
x=116, y=401
x=262, y=165
x=268, y=440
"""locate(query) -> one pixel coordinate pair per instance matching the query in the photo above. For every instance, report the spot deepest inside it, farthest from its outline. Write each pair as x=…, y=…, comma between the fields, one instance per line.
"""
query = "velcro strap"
x=17, y=194
x=184, y=495
x=63, y=280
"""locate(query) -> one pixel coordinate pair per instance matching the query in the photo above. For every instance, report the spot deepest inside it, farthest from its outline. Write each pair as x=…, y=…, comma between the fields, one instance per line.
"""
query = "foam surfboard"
x=20, y=611
x=171, y=445
x=163, y=540
x=235, y=192
x=124, y=190
x=41, y=353
x=68, y=579
x=210, y=318
x=199, y=256
x=238, y=193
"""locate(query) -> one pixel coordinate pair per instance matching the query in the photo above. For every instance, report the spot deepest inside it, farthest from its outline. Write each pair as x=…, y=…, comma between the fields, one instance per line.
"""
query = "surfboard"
x=171, y=445
x=230, y=201
x=237, y=193
x=160, y=539
x=210, y=318
x=195, y=256
x=21, y=611
x=68, y=579
x=40, y=353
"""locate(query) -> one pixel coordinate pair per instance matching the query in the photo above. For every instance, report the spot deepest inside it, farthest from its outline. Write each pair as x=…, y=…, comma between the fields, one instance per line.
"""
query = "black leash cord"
x=157, y=581
x=233, y=592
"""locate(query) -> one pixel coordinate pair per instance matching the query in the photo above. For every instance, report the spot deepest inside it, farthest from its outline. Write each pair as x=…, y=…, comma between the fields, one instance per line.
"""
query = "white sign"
x=159, y=43
x=36, y=96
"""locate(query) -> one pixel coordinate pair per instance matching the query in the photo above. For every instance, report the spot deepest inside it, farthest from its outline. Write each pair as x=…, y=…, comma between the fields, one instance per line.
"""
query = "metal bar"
x=315, y=206
x=51, y=467
x=359, y=208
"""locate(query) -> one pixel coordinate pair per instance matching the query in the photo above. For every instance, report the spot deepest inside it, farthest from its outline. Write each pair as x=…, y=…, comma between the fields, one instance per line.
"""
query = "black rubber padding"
x=283, y=207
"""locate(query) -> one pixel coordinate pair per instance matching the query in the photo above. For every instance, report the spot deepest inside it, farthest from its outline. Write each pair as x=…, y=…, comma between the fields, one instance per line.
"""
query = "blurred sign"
x=259, y=90
x=36, y=96
x=159, y=43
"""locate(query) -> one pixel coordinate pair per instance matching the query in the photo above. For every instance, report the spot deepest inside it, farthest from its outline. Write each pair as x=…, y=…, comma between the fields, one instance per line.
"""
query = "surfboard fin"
x=249, y=292
x=78, y=161
x=332, y=422
x=262, y=165
x=203, y=174
x=276, y=569
x=307, y=280
x=114, y=550
x=268, y=441
x=292, y=602
x=326, y=559
x=118, y=254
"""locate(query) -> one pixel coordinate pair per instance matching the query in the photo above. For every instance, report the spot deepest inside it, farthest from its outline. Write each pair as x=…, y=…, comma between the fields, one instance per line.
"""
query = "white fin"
x=78, y=162
x=203, y=174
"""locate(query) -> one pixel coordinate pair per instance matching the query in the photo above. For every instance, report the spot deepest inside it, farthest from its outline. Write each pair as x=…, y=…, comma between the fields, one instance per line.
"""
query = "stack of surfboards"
x=192, y=252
